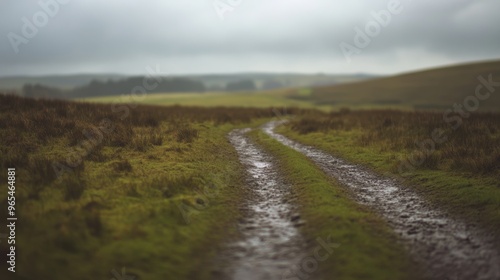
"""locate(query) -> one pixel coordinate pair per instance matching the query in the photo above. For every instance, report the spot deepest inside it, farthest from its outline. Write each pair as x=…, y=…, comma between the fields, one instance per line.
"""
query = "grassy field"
x=214, y=99
x=457, y=170
x=154, y=191
x=280, y=98
x=435, y=89
x=367, y=247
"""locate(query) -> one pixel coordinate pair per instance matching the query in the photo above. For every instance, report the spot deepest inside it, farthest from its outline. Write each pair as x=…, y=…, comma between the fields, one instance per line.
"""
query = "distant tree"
x=41, y=91
x=125, y=86
x=271, y=84
x=216, y=88
x=241, y=85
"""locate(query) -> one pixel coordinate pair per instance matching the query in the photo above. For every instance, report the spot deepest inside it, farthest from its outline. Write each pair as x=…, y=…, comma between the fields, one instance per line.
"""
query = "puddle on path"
x=270, y=243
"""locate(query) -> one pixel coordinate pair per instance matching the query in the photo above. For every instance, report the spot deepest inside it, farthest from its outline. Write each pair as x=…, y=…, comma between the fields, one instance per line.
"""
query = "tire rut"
x=270, y=243
x=445, y=247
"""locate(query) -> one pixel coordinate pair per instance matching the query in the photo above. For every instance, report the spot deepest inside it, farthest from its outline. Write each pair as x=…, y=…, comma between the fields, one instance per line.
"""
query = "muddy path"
x=270, y=243
x=446, y=248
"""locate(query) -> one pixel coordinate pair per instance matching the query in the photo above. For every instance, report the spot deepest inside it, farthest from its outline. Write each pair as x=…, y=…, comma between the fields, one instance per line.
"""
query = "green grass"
x=127, y=218
x=368, y=249
x=214, y=99
x=455, y=177
x=277, y=98
x=126, y=204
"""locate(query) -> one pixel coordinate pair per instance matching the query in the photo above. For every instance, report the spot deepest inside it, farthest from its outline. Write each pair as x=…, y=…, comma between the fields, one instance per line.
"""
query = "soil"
x=270, y=242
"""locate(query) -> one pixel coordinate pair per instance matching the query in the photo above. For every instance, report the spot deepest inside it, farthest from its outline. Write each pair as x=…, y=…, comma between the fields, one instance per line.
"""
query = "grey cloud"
x=277, y=35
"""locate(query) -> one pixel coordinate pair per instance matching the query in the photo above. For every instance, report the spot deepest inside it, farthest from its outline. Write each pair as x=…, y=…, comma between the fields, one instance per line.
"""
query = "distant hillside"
x=56, y=81
x=215, y=82
x=430, y=89
x=96, y=88
x=135, y=85
x=265, y=81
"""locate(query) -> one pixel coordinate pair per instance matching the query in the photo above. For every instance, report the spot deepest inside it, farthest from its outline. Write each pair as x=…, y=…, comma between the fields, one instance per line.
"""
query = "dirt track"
x=447, y=248
x=270, y=243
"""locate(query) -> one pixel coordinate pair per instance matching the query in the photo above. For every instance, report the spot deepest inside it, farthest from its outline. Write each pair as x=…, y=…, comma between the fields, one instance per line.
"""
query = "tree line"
x=126, y=86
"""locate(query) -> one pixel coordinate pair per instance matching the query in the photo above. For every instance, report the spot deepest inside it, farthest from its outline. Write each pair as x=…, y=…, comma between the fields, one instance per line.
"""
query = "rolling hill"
x=430, y=89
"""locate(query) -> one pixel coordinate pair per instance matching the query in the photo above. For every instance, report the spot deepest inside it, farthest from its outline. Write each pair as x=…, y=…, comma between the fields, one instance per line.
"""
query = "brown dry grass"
x=473, y=147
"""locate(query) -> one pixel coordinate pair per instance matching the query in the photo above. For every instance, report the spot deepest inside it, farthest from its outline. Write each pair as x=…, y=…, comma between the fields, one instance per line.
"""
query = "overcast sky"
x=191, y=36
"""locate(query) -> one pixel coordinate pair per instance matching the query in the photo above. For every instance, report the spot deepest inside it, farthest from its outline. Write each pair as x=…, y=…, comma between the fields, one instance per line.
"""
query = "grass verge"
x=367, y=250
x=460, y=176
x=159, y=214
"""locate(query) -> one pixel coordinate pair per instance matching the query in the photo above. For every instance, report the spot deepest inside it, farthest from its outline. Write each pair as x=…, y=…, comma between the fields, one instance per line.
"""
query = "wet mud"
x=270, y=242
